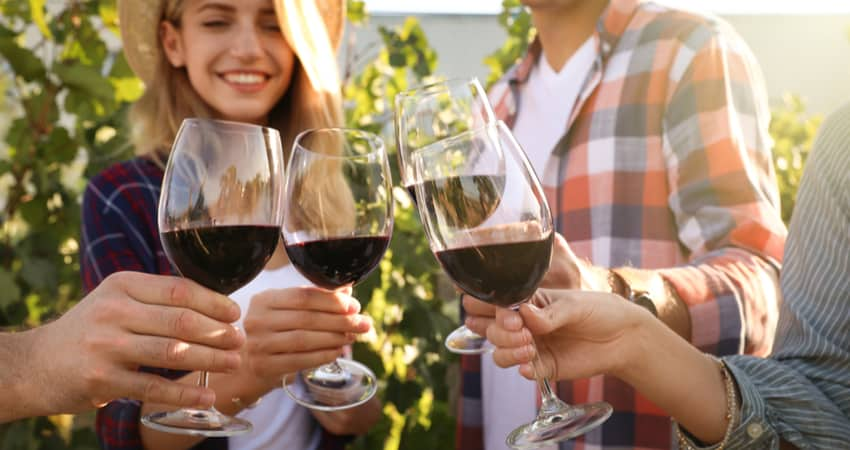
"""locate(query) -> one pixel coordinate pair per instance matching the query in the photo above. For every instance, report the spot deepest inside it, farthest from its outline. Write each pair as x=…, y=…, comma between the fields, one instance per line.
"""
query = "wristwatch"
x=621, y=287
x=643, y=299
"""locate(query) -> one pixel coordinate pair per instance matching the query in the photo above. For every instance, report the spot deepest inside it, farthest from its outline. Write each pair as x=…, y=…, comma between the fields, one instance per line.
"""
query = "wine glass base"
x=548, y=429
x=332, y=392
x=197, y=422
x=464, y=341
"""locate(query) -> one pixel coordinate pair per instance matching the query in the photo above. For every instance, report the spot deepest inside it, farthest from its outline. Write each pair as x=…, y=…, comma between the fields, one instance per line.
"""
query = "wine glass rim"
x=431, y=86
x=229, y=124
x=377, y=149
x=438, y=145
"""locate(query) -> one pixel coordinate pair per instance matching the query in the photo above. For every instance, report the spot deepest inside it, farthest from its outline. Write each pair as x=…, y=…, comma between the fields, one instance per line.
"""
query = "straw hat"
x=140, y=30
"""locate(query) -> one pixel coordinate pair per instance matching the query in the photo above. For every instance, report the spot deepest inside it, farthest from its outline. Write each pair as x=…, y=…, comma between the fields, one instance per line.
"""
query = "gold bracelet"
x=238, y=402
x=732, y=413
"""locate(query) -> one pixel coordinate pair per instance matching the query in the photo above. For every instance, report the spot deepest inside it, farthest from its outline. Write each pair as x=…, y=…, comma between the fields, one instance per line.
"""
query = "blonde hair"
x=311, y=101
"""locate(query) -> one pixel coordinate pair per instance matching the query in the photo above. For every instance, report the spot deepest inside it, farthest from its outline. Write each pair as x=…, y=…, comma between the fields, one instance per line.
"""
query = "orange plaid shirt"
x=665, y=164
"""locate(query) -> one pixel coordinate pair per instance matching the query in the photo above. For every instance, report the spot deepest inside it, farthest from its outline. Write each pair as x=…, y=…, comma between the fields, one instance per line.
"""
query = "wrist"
x=639, y=347
x=20, y=379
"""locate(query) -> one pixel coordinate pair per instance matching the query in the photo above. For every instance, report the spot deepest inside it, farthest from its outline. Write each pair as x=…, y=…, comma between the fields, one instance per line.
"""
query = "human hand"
x=479, y=314
x=567, y=271
x=576, y=333
x=299, y=328
x=134, y=319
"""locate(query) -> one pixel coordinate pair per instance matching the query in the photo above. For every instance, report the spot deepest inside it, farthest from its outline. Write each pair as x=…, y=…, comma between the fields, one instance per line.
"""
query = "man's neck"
x=562, y=30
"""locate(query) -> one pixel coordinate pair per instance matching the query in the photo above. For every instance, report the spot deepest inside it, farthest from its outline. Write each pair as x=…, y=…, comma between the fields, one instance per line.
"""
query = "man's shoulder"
x=661, y=22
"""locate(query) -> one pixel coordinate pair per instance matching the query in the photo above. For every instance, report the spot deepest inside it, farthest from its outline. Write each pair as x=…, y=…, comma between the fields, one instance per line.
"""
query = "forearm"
x=725, y=303
x=732, y=296
x=226, y=386
x=352, y=421
x=17, y=379
x=674, y=375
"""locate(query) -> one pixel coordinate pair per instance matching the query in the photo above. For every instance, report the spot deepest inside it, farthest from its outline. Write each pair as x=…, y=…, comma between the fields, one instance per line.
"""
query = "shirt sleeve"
x=724, y=195
x=800, y=394
x=114, y=239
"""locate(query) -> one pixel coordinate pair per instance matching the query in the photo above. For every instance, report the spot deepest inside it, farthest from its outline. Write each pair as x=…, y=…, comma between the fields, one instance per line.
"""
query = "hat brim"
x=139, y=23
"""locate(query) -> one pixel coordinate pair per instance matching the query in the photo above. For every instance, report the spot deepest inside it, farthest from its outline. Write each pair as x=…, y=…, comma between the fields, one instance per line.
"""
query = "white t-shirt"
x=279, y=422
x=546, y=101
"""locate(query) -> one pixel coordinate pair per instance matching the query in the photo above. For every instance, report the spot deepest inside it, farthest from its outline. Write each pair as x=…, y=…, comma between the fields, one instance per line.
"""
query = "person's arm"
x=89, y=356
x=724, y=200
x=119, y=232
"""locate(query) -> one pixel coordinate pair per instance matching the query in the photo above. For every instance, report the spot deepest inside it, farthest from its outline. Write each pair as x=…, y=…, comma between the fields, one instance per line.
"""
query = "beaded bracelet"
x=732, y=413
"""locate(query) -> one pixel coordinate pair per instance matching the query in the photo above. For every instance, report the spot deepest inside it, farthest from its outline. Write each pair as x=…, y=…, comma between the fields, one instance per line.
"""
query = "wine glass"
x=496, y=250
x=219, y=223
x=429, y=114
x=336, y=227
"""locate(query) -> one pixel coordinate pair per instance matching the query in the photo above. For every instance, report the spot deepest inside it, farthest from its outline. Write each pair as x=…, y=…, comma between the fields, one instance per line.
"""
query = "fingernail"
x=207, y=399
x=513, y=322
x=353, y=306
x=350, y=337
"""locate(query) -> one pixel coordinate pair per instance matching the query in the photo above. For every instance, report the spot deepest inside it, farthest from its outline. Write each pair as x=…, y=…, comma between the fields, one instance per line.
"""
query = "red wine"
x=470, y=198
x=337, y=262
x=501, y=274
x=221, y=258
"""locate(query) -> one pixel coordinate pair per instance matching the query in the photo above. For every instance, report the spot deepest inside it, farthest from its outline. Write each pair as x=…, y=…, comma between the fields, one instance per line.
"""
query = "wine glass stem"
x=203, y=378
x=549, y=402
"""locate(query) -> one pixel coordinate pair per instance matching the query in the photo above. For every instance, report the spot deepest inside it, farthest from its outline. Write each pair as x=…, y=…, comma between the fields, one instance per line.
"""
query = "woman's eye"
x=271, y=26
x=215, y=23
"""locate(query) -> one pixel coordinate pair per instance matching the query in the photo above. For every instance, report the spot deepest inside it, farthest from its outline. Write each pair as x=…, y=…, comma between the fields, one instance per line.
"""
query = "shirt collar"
x=610, y=27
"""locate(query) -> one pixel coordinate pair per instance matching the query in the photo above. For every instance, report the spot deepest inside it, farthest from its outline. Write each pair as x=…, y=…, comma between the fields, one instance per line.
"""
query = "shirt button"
x=755, y=430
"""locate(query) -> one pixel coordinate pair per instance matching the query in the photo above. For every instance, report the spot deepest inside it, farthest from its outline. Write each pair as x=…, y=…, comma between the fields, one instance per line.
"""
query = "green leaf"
x=40, y=274
x=35, y=211
x=127, y=89
x=37, y=13
x=85, y=79
x=24, y=63
x=356, y=12
x=109, y=15
x=60, y=147
x=9, y=291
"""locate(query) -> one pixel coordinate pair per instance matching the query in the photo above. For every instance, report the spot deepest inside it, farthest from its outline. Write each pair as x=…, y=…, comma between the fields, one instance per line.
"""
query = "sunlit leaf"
x=37, y=13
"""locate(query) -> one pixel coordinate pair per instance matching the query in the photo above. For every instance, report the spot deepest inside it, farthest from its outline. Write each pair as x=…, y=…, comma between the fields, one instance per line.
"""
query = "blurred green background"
x=66, y=92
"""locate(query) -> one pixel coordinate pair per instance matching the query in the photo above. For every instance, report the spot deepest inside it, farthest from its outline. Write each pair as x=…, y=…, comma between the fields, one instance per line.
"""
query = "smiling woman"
x=269, y=62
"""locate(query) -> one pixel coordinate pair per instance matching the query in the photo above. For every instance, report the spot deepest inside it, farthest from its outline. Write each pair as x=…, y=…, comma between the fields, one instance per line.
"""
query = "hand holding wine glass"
x=499, y=257
x=219, y=223
x=337, y=225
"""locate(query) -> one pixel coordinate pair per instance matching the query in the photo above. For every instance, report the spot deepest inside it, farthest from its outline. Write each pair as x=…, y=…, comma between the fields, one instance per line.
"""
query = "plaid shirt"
x=665, y=164
x=120, y=233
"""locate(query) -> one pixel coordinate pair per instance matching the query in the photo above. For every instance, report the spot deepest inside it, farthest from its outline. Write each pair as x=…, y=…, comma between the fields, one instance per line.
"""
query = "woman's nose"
x=246, y=43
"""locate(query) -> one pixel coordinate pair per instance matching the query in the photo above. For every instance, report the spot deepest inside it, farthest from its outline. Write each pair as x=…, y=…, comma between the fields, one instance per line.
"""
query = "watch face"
x=643, y=299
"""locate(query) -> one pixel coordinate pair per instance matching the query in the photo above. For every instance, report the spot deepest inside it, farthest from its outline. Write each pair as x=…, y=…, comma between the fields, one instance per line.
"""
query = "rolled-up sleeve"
x=724, y=195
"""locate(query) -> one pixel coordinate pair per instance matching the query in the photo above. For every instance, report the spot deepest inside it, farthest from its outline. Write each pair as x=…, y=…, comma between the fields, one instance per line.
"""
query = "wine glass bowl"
x=219, y=223
x=336, y=227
